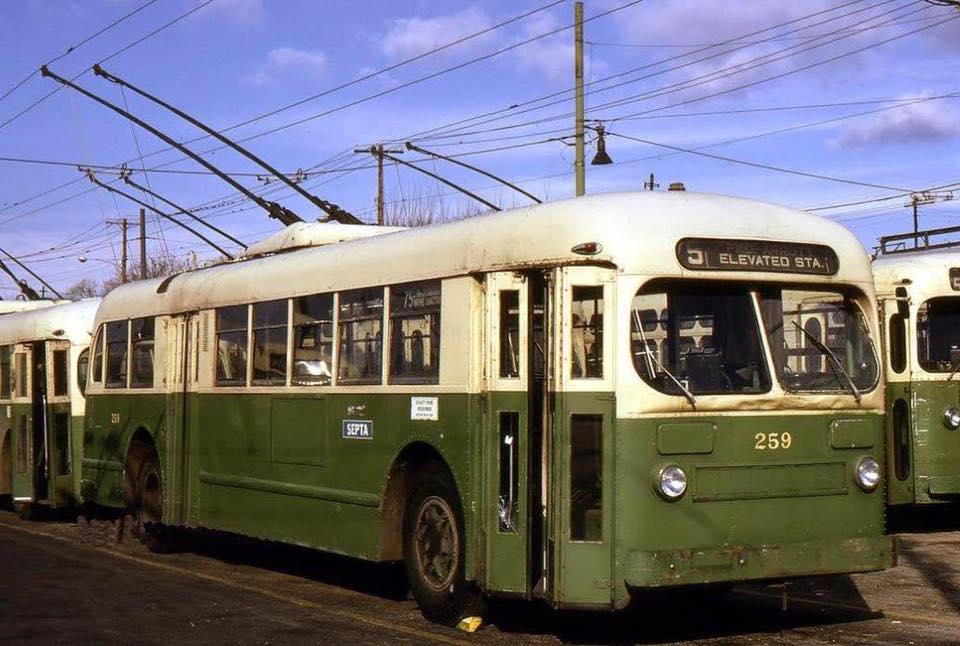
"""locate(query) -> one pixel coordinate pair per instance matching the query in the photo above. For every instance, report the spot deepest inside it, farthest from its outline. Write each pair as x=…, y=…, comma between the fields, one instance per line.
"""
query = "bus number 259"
x=772, y=441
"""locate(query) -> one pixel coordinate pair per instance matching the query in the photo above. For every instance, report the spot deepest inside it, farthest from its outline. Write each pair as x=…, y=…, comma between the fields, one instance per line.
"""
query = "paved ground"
x=60, y=582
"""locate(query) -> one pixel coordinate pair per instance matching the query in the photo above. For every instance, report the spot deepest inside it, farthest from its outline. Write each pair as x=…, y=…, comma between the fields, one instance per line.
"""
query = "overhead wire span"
x=109, y=57
x=73, y=48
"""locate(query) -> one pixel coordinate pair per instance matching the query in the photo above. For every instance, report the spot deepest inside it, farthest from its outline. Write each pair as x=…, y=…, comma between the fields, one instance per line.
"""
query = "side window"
x=20, y=375
x=586, y=322
x=5, y=377
x=97, y=374
x=270, y=343
x=61, y=373
x=361, y=337
x=232, y=346
x=141, y=336
x=83, y=366
x=415, y=333
x=898, y=343
x=313, y=340
x=116, y=354
x=510, y=334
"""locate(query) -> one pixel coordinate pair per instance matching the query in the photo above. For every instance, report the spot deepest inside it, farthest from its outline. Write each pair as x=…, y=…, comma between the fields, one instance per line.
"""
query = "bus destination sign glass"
x=711, y=254
x=955, y=278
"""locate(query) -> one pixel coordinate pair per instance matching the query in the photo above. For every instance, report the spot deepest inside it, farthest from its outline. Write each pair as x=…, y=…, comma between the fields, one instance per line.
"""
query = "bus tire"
x=144, y=499
x=433, y=548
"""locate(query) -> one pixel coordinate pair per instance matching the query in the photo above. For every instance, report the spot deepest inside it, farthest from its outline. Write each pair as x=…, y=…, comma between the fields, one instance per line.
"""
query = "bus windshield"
x=702, y=337
x=938, y=334
x=819, y=339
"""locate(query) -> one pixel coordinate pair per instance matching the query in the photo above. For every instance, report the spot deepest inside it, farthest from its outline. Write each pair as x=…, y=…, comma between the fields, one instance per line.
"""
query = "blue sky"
x=235, y=59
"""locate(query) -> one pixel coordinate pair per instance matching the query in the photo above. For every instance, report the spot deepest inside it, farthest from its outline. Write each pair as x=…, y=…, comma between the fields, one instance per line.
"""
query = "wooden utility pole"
x=579, y=165
x=143, y=244
x=123, y=250
x=378, y=151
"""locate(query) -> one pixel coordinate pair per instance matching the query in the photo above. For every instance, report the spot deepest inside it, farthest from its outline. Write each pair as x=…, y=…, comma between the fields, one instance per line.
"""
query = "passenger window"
x=142, y=337
x=587, y=332
x=270, y=343
x=415, y=333
x=361, y=337
x=313, y=340
x=20, y=376
x=5, y=377
x=60, y=373
x=117, y=354
x=509, y=334
x=83, y=365
x=898, y=343
x=232, y=346
x=98, y=358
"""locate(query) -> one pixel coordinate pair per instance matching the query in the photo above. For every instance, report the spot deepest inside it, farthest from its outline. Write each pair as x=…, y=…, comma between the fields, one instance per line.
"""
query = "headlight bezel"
x=865, y=463
x=662, y=477
x=951, y=418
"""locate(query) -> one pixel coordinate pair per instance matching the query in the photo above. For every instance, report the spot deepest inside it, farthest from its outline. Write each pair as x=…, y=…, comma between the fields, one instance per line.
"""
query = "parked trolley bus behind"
x=565, y=402
x=919, y=293
x=43, y=366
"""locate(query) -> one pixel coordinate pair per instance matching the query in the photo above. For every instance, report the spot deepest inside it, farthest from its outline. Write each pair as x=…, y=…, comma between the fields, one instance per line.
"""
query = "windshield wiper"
x=835, y=361
x=955, y=370
x=652, y=357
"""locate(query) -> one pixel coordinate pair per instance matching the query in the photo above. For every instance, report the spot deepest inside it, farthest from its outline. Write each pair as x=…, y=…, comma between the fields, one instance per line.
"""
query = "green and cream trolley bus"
x=43, y=364
x=919, y=292
x=565, y=402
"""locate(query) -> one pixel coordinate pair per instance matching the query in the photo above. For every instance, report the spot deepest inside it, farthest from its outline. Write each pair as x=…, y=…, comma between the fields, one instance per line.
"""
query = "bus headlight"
x=671, y=482
x=868, y=474
x=951, y=418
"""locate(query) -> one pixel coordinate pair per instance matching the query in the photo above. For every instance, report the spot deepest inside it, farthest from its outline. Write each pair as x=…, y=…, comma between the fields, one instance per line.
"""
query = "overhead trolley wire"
x=73, y=48
x=107, y=58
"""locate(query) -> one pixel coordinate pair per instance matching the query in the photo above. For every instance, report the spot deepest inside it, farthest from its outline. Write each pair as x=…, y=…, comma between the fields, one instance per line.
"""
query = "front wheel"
x=433, y=548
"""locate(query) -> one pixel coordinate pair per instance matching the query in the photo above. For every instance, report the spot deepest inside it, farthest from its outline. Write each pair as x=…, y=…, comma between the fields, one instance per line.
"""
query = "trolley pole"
x=579, y=166
x=915, y=199
x=143, y=244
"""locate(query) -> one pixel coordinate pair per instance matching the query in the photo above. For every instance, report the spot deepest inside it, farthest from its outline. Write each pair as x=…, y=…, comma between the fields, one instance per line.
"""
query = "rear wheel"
x=433, y=548
x=143, y=496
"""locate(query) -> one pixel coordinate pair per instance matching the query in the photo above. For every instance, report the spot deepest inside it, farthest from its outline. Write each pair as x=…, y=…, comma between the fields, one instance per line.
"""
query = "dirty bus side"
x=549, y=404
x=920, y=308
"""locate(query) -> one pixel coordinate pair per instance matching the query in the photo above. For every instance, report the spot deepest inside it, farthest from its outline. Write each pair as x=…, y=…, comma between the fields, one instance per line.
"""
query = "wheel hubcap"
x=437, y=543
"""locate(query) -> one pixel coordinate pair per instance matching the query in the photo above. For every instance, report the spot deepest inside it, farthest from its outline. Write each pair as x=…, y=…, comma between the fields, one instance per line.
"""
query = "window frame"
x=334, y=339
x=215, y=364
x=384, y=337
x=253, y=329
x=106, y=357
x=153, y=363
x=436, y=343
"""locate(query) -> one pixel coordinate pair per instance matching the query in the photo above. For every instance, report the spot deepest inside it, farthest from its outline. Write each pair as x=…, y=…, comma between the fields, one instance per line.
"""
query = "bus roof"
x=9, y=307
x=638, y=233
x=926, y=271
x=73, y=321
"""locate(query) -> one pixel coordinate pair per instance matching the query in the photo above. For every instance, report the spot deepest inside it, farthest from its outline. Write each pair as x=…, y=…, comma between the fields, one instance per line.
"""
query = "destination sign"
x=955, y=278
x=757, y=255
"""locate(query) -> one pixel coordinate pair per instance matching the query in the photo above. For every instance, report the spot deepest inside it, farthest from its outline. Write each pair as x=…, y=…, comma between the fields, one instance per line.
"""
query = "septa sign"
x=356, y=429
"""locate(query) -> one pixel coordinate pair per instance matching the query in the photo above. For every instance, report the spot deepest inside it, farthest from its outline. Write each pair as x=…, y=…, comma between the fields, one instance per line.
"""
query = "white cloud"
x=287, y=59
x=919, y=122
x=411, y=36
x=239, y=11
x=552, y=56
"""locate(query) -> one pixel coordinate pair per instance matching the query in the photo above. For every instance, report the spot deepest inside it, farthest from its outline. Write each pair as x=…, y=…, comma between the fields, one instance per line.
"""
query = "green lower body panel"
x=756, y=562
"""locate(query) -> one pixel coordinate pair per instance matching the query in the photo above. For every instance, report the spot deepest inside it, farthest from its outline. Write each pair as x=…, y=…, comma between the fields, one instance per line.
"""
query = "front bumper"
x=758, y=562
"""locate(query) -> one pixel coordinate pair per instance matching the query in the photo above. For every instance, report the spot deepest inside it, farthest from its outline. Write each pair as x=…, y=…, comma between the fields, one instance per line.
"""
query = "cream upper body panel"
x=67, y=321
x=637, y=233
x=923, y=275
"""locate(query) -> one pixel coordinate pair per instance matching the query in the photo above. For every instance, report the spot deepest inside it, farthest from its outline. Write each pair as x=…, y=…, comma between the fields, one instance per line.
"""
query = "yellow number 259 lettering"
x=772, y=441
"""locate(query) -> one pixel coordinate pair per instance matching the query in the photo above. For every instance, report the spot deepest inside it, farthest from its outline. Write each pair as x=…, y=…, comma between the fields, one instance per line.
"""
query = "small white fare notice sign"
x=427, y=408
